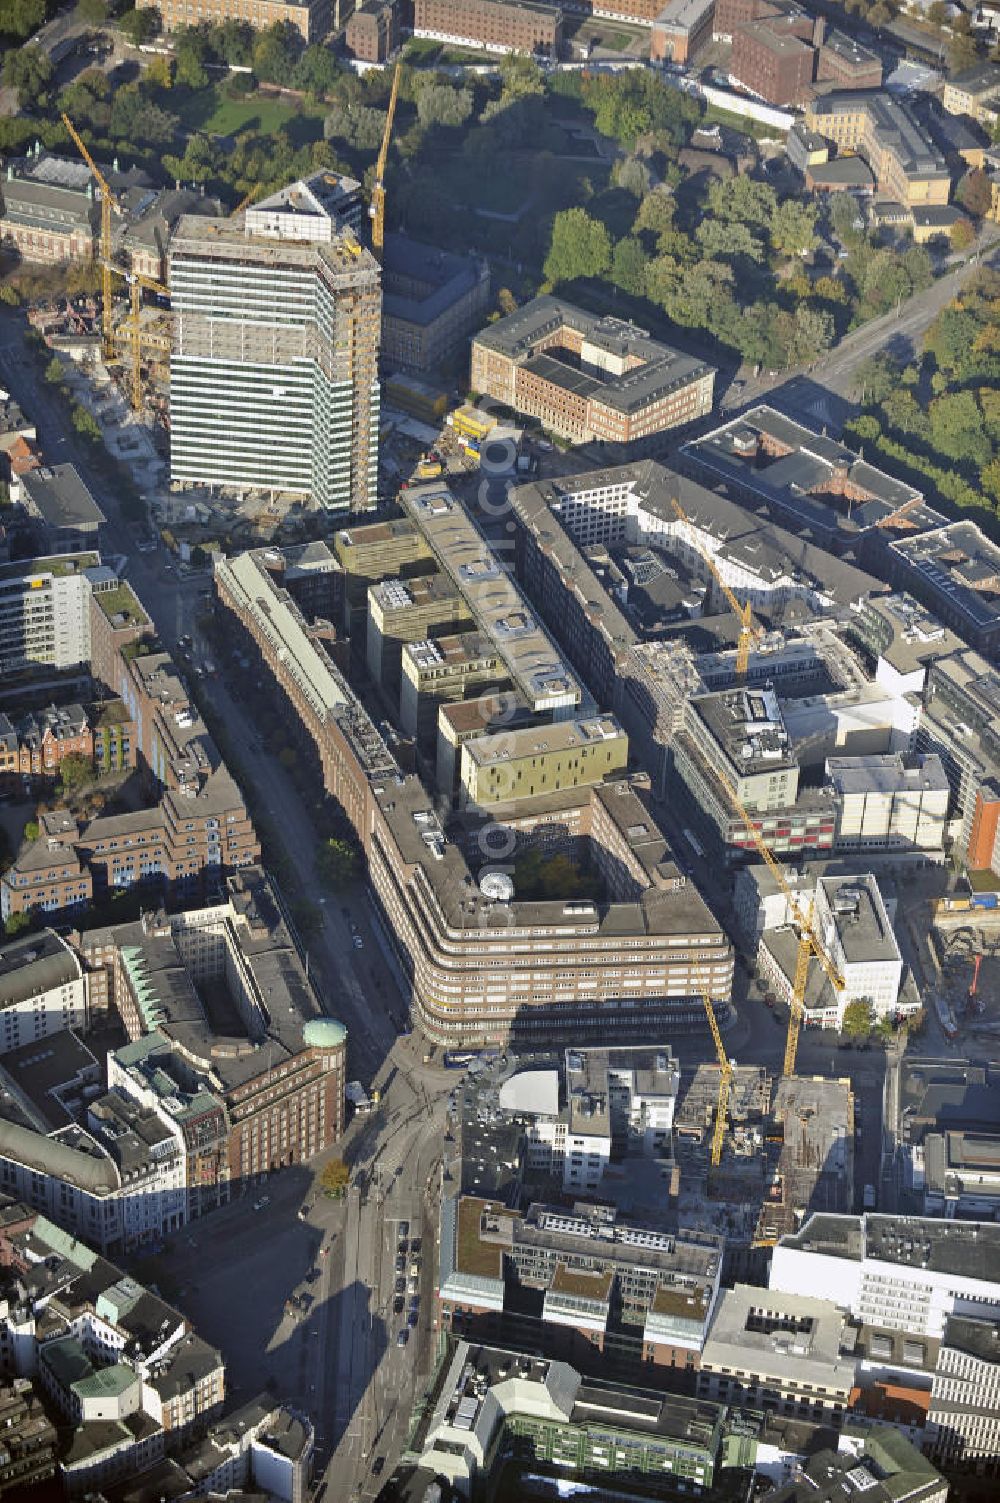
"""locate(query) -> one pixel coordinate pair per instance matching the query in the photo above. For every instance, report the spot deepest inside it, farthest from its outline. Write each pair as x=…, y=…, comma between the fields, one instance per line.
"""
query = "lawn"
x=744, y=123
x=209, y=110
x=424, y=51
x=616, y=42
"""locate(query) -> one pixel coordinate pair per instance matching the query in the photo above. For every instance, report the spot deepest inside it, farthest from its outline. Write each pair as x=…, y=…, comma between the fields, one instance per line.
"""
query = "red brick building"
x=372, y=32
x=496, y=25
x=772, y=63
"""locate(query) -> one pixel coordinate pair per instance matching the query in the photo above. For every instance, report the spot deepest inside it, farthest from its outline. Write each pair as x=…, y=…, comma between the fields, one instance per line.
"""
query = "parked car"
x=400, y=1285
x=413, y=1318
x=399, y=1304
x=403, y=1337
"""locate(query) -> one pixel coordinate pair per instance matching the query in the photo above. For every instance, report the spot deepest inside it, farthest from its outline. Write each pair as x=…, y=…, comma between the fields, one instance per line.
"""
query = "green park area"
x=211, y=111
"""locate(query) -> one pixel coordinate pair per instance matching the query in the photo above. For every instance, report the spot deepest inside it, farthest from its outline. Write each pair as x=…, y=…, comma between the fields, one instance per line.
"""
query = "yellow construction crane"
x=138, y=339
x=377, y=207
x=750, y=632
x=725, y=1083
x=246, y=201
x=809, y=942
x=108, y=204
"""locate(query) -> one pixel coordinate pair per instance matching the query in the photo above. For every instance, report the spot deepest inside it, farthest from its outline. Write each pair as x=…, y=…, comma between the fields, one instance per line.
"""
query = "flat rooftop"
x=959, y=565
x=895, y=125
x=749, y=726
x=967, y=1249
x=58, y=495
x=886, y=773
x=502, y=612
x=862, y=923
x=33, y=965
x=534, y=740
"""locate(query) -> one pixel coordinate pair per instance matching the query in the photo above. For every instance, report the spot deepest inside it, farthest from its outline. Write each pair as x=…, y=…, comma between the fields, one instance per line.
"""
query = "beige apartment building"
x=906, y=164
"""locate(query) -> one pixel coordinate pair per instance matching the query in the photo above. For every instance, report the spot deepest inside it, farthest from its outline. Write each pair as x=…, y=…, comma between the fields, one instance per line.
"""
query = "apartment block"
x=490, y=1404
x=282, y=1081
x=590, y=378
x=30, y=1437
x=43, y=989
x=233, y=284
x=886, y=803
x=974, y=92
x=598, y=1274
x=681, y=30
x=851, y=919
x=62, y=507
x=771, y=59
x=963, y=1421
x=93, y=1336
x=408, y=611
x=511, y=766
x=432, y=299
x=954, y=570
x=310, y=18
x=808, y=480
x=196, y=832
x=45, y=613
x=494, y=25
x=101, y=1166
x=905, y=162
x=444, y=670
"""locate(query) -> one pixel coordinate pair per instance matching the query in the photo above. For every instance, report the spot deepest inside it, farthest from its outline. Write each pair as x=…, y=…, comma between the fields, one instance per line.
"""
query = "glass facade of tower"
x=274, y=370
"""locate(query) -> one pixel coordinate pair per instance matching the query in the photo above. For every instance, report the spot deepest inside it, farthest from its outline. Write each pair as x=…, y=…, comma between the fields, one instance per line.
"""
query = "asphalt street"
x=823, y=392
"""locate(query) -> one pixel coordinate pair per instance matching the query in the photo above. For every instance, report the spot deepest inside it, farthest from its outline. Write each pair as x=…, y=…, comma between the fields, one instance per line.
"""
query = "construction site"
x=123, y=351
x=787, y=1149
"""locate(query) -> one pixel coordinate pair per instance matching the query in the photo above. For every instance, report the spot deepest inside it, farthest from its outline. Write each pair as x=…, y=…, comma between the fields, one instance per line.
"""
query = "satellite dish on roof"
x=496, y=885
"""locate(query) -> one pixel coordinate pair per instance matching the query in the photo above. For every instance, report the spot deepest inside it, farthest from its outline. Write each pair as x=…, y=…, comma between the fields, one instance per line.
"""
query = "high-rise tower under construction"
x=274, y=367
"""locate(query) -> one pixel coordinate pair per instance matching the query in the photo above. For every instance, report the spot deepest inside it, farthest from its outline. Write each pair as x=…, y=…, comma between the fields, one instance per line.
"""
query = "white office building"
x=885, y=805
x=902, y=1273
x=851, y=919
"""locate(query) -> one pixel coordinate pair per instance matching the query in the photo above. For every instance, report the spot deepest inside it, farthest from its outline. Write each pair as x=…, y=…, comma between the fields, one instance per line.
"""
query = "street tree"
x=857, y=1022
x=875, y=378
x=813, y=333
x=975, y=193
x=17, y=923
x=335, y=1178
x=29, y=71
x=337, y=863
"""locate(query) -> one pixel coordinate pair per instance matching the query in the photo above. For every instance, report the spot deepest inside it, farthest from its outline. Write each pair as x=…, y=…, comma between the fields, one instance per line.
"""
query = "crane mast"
x=377, y=207
x=108, y=203
x=749, y=630
x=725, y=1083
x=809, y=942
